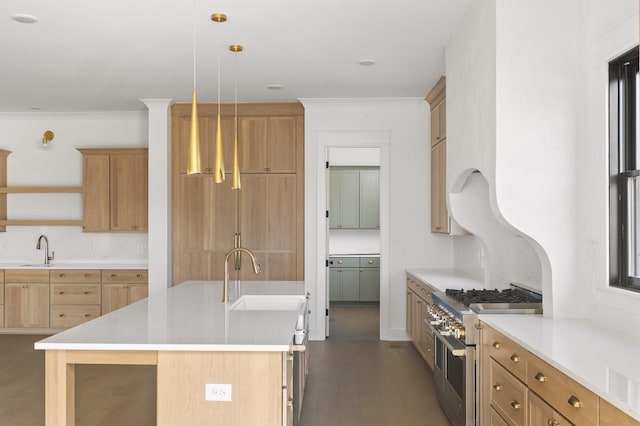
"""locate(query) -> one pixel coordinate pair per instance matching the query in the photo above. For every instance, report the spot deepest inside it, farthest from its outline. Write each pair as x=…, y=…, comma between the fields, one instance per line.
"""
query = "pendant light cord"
x=195, y=33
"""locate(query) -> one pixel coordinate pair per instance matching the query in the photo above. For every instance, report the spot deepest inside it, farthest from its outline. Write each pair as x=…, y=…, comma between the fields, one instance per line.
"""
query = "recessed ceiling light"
x=274, y=86
x=23, y=18
x=366, y=61
x=34, y=108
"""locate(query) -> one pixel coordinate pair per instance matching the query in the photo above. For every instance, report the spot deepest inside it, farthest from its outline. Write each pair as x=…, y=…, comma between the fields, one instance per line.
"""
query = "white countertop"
x=355, y=255
x=602, y=360
x=189, y=317
x=443, y=279
x=88, y=265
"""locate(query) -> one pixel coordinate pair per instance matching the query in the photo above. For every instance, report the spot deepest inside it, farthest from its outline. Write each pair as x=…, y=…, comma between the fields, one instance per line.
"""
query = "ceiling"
x=106, y=55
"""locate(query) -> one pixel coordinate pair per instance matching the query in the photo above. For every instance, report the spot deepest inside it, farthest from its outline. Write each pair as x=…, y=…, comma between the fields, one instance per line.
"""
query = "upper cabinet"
x=115, y=190
x=354, y=198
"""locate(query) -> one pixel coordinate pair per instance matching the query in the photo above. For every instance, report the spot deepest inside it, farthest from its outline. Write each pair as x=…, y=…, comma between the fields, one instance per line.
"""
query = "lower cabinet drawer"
x=611, y=416
x=75, y=294
x=495, y=419
x=508, y=394
x=65, y=316
x=429, y=350
x=1, y=315
x=565, y=395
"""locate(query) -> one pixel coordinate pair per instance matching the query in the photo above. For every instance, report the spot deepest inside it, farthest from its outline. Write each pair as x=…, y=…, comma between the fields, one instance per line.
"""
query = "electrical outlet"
x=217, y=392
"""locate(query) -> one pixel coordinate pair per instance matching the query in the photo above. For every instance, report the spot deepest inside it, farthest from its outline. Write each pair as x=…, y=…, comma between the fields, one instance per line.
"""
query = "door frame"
x=351, y=139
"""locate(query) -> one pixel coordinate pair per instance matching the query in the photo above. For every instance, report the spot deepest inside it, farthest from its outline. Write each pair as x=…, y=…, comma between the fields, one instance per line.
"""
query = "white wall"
x=409, y=242
x=612, y=30
x=61, y=165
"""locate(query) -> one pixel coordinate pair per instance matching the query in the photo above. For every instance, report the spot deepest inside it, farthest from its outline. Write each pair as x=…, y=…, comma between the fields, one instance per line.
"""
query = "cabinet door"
x=370, y=285
x=335, y=193
x=95, y=193
x=439, y=213
x=27, y=305
x=409, y=308
x=417, y=324
x=541, y=413
x=268, y=205
x=369, y=199
x=252, y=144
x=281, y=145
x=114, y=296
x=350, y=280
x=128, y=192
x=137, y=292
x=349, y=200
x=335, y=293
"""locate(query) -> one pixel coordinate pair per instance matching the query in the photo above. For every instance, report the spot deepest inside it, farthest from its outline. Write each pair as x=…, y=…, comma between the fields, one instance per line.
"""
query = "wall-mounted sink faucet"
x=47, y=258
x=256, y=269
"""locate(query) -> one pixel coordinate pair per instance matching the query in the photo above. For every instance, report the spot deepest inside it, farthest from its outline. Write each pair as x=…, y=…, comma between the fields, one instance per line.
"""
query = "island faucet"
x=256, y=269
x=47, y=258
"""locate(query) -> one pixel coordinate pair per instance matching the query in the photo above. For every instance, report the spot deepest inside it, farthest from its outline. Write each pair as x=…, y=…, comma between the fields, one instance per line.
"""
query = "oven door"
x=454, y=378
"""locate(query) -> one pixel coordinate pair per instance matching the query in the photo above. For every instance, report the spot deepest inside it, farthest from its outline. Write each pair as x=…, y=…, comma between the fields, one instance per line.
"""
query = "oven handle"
x=454, y=351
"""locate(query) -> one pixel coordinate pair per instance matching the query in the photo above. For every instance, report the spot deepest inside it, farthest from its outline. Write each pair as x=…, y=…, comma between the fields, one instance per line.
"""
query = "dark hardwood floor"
x=354, y=379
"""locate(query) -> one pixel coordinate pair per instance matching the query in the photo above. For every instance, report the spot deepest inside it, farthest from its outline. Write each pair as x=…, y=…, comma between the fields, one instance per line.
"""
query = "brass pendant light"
x=235, y=176
x=194, y=164
x=218, y=165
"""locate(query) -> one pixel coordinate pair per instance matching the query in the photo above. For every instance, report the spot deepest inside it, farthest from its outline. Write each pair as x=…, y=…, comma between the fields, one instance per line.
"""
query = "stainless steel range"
x=453, y=320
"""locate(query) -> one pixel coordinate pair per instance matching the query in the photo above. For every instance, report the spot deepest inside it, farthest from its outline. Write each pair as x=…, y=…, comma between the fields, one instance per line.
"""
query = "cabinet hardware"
x=497, y=387
x=540, y=377
x=552, y=422
x=139, y=275
x=114, y=275
x=88, y=315
x=515, y=358
x=496, y=345
x=574, y=402
x=515, y=405
x=290, y=402
x=290, y=357
x=371, y=262
x=63, y=275
x=62, y=315
x=339, y=262
x=62, y=292
x=87, y=292
x=87, y=275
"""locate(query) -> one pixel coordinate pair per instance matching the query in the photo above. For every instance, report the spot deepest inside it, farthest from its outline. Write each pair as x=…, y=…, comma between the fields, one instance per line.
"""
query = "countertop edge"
x=497, y=322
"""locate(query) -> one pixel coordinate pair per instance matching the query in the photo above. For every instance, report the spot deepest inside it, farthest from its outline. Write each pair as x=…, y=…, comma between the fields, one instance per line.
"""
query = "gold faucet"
x=256, y=269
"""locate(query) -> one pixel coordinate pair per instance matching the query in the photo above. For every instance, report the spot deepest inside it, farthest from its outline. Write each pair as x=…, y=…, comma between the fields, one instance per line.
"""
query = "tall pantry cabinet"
x=265, y=215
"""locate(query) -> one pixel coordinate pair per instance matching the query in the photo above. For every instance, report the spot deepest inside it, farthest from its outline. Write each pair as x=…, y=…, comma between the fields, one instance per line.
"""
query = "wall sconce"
x=47, y=137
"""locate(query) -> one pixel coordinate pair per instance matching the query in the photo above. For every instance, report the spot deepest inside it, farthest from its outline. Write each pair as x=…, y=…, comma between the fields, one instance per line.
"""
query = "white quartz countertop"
x=75, y=265
x=355, y=255
x=443, y=279
x=601, y=359
x=188, y=317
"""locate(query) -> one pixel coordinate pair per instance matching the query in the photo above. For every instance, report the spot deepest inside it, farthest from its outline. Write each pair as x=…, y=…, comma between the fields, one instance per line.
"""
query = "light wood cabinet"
x=418, y=302
x=265, y=216
x=115, y=190
x=3, y=182
x=612, y=416
x=541, y=413
x=123, y=287
x=508, y=394
x=27, y=298
x=354, y=198
x=75, y=296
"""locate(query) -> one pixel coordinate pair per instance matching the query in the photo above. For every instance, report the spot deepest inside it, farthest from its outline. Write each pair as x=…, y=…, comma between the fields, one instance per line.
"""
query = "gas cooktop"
x=512, y=295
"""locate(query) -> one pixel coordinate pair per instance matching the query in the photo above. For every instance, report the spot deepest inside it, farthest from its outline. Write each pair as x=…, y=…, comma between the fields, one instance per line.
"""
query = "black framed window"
x=624, y=172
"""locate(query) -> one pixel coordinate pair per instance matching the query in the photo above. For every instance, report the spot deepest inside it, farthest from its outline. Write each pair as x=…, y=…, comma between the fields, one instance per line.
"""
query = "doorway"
x=353, y=243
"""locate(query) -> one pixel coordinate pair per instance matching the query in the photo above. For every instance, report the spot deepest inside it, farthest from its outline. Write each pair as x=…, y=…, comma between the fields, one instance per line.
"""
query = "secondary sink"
x=269, y=303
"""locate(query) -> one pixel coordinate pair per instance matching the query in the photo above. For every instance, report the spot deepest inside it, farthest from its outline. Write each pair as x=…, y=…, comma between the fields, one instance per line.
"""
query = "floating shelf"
x=40, y=222
x=39, y=189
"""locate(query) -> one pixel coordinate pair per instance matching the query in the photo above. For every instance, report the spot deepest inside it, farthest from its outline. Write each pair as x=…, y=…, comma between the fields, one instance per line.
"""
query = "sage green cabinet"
x=354, y=198
x=354, y=279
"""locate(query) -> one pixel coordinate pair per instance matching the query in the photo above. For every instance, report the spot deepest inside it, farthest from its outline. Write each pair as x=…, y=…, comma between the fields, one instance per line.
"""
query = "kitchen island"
x=214, y=362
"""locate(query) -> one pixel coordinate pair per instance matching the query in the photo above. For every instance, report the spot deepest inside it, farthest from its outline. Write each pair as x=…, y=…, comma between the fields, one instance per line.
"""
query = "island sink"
x=269, y=303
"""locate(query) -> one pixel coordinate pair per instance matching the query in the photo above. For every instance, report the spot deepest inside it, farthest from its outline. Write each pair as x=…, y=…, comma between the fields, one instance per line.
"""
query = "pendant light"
x=194, y=164
x=218, y=164
x=235, y=176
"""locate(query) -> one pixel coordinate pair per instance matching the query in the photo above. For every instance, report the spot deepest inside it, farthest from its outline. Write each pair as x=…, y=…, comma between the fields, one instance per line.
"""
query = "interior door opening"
x=353, y=243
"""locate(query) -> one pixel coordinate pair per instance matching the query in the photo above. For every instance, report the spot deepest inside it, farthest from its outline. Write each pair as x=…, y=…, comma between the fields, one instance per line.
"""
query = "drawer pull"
x=540, y=377
x=552, y=422
x=114, y=275
x=289, y=357
x=496, y=345
x=515, y=405
x=139, y=275
x=290, y=402
x=62, y=315
x=574, y=402
x=87, y=292
x=515, y=358
x=63, y=275
x=498, y=388
x=62, y=292
x=371, y=262
x=87, y=275
x=88, y=315
x=339, y=262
